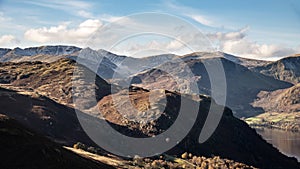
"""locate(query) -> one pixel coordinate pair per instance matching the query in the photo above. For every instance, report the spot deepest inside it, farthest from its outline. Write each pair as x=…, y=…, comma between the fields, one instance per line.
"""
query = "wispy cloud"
x=4, y=18
x=234, y=35
x=75, y=7
x=202, y=19
x=7, y=24
x=85, y=14
x=57, y=4
x=191, y=13
x=110, y=18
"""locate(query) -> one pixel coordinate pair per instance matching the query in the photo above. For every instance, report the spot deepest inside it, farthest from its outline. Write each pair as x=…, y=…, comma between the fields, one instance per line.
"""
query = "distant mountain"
x=243, y=85
x=24, y=148
x=111, y=64
x=43, y=53
x=122, y=66
x=286, y=69
x=249, y=63
x=127, y=65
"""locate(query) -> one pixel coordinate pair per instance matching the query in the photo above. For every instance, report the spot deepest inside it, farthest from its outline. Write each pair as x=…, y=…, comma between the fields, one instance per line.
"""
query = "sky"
x=268, y=29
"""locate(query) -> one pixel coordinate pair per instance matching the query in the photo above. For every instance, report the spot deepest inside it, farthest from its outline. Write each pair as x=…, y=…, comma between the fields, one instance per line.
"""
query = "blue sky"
x=256, y=28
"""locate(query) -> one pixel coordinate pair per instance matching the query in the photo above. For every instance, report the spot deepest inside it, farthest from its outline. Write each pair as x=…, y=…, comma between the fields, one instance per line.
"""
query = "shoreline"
x=271, y=120
x=273, y=127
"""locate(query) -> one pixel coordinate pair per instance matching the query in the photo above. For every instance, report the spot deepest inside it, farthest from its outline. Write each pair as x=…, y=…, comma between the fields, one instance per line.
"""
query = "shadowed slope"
x=22, y=148
x=233, y=138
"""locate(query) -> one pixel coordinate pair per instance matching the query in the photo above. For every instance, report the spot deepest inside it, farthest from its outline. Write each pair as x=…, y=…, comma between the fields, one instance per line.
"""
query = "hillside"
x=59, y=123
x=283, y=100
x=23, y=148
x=41, y=77
x=39, y=96
x=282, y=109
x=286, y=69
x=43, y=115
x=240, y=81
x=32, y=150
x=233, y=138
x=186, y=160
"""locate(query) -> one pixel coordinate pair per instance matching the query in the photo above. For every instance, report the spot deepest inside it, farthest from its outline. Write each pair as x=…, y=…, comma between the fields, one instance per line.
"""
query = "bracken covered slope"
x=54, y=80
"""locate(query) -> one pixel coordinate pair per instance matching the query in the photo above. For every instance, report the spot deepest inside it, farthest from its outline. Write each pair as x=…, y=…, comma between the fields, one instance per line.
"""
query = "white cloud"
x=236, y=43
x=186, y=43
x=236, y=35
x=249, y=49
x=85, y=14
x=63, y=34
x=202, y=19
x=8, y=40
x=298, y=49
x=111, y=18
x=148, y=48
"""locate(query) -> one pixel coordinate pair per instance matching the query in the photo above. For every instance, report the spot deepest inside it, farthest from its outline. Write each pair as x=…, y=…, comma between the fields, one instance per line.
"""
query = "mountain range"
x=244, y=77
x=37, y=86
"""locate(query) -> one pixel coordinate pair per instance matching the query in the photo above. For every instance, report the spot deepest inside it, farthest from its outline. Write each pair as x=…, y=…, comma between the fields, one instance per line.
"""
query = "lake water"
x=287, y=142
